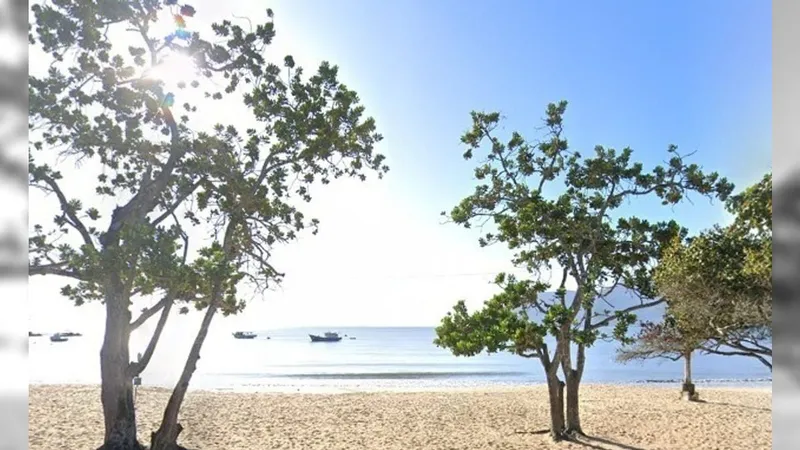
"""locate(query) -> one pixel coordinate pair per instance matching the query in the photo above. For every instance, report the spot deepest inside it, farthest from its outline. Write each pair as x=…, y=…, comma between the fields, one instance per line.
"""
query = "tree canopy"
x=202, y=193
x=560, y=212
x=572, y=232
x=663, y=339
x=104, y=108
x=719, y=282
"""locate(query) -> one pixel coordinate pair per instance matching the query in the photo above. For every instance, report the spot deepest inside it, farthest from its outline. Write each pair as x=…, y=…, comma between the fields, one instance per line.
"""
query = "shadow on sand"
x=592, y=442
x=599, y=443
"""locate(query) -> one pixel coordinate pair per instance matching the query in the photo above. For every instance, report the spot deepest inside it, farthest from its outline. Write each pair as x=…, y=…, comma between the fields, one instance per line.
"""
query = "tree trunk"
x=555, y=389
x=116, y=383
x=688, y=389
x=166, y=437
x=573, y=378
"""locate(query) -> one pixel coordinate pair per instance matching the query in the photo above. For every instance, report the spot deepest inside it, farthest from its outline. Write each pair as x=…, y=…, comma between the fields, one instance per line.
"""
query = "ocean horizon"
x=377, y=359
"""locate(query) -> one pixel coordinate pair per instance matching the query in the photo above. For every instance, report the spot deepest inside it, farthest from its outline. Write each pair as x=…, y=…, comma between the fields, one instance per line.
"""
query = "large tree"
x=559, y=211
x=233, y=191
x=720, y=281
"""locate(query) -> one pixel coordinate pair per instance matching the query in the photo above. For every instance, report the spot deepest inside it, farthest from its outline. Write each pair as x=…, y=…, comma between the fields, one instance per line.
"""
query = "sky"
x=636, y=74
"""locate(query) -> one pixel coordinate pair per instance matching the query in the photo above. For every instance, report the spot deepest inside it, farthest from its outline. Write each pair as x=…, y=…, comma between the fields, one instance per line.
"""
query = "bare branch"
x=138, y=367
x=751, y=354
x=150, y=312
x=610, y=319
x=639, y=352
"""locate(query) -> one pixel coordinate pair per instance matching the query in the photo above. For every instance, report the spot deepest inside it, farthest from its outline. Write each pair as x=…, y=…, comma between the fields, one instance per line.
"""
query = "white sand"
x=617, y=417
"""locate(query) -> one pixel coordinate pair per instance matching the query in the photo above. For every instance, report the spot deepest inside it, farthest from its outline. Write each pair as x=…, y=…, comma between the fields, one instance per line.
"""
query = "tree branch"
x=73, y=218
x=55, y=269
x=750, y=354
x=135, y=369
x=563, y=284
x=150, y=312
x=641, y=353
x=181, y=198
x=144, y=200
x=610, y=319
x=168, y=299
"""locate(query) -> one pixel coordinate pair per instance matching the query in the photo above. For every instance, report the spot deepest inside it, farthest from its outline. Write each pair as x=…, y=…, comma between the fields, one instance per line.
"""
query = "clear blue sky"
x=636, y=73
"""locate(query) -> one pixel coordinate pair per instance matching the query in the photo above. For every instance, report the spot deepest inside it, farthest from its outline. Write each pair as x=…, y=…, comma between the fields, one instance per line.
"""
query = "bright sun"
x=173, y=69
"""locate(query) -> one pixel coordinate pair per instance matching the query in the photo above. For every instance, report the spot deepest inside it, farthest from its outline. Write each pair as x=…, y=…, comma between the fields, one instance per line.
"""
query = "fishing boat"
x=244, y=335
x=58, y=338
x=327, y=337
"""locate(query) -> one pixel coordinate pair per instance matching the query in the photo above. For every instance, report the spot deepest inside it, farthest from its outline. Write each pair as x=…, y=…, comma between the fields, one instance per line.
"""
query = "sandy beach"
x=647, y=418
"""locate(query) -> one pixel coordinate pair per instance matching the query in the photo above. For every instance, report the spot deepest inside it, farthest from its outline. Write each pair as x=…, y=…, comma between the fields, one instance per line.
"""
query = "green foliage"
x=96, y=104
x=622, y=324
x=752, y=208
x=753, y=224
x=502, y=325
x=719, y=283
x=571, y=231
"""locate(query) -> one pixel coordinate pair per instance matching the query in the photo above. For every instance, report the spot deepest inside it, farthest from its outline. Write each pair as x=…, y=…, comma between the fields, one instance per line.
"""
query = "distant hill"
x=621, y=298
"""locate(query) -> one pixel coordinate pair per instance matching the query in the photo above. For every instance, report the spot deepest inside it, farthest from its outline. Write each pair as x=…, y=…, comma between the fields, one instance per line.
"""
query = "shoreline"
x=489, y=387
x=617, y=417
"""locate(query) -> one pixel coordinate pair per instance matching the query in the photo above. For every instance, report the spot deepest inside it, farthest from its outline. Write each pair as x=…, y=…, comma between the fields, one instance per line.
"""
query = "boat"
x=58, y=338
x=32, y=334
x=327, y=337
x=70, y=334
x=244, y=335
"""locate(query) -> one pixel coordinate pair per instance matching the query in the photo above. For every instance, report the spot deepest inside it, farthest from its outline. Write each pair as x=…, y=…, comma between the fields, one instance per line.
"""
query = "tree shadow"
x=588, y=441
x=599, y=443
x=733, y=405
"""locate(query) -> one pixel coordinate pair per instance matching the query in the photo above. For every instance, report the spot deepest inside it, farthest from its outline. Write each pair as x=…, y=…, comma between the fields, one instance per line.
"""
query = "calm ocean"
x=378, y=359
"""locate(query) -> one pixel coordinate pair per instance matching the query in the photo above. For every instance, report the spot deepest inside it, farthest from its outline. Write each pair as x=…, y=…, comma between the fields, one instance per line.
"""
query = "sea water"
x=376, y=359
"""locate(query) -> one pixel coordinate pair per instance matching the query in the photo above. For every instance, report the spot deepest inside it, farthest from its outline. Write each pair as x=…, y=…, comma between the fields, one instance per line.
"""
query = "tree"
x=664, y=340
x=720, y=281
x=571, y=233
x=174, y=180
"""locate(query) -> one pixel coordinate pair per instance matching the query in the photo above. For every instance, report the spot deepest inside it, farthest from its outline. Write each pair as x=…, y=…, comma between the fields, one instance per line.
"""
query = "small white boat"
x=58, y=338
x=244, y=335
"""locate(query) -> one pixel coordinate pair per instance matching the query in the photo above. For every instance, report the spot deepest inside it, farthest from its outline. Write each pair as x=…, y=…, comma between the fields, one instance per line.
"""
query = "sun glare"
x=173, y=69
